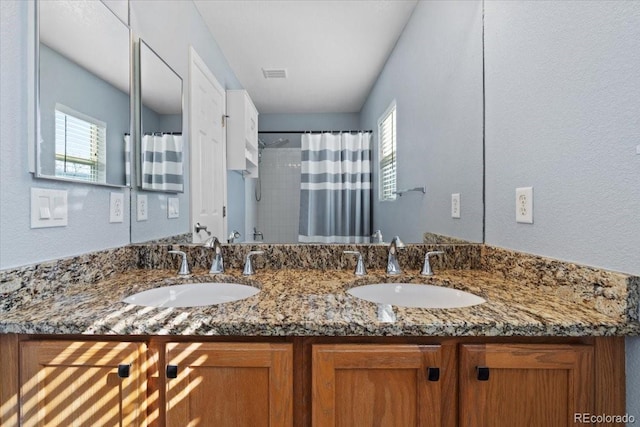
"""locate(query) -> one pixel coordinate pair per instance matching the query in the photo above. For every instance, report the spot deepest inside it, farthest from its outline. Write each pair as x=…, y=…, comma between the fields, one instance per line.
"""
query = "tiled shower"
x=279, y=206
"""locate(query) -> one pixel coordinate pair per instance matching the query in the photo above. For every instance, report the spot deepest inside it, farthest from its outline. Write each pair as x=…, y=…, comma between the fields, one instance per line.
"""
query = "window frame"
x=390, y=112
x=99, y=165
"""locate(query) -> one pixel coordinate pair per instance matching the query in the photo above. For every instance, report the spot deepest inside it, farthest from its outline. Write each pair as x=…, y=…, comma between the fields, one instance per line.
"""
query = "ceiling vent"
x=274, y=73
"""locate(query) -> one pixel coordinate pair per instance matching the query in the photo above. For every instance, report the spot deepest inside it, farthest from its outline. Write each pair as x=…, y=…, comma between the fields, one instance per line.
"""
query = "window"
x=387, y=153
x=80, y=146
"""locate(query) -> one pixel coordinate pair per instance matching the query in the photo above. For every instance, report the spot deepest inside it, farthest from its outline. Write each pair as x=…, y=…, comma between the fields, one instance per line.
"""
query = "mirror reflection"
x=84, y=103
x=161, y=144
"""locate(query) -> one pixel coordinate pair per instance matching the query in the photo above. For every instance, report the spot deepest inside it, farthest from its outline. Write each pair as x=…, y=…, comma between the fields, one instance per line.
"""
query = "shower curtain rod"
x=312, y=131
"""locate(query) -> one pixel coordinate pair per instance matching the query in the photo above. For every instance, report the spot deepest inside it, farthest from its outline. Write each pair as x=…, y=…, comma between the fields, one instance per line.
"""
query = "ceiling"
x=332, y=50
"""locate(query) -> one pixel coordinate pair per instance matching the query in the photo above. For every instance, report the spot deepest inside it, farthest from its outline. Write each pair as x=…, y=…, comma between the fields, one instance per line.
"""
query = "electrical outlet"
x=524, y=205
x=173, y=207
x=142, y=207
x=116, y=207
x=455, y=205
x=638, y=149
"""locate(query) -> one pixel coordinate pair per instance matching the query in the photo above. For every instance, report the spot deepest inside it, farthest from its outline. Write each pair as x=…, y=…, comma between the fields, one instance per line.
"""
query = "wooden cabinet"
x=525, y=384
x=242, y=133
x=338, y=381
x=229, y=384
x=70, y=383
x=383, y=385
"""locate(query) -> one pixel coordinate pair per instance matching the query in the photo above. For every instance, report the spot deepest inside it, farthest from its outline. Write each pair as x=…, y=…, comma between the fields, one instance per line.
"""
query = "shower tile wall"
x=279, y=207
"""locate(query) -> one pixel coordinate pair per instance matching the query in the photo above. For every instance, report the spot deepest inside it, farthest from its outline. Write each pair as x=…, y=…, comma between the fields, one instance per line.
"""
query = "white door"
x=208, y=151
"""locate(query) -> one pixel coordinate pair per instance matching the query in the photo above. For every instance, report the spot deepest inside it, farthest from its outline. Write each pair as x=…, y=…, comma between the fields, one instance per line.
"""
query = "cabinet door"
x=383, y=385
x=527, y=385
x=69, y=383
x=229, y=384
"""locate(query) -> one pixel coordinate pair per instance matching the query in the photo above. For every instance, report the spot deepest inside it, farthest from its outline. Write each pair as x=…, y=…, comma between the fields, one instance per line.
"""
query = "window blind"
x=80, y=147
x=387, y=154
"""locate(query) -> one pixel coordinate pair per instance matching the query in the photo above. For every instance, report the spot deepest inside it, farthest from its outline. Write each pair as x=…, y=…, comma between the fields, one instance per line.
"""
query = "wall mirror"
x=160, y=147
x=83, y=75
x=438, y=88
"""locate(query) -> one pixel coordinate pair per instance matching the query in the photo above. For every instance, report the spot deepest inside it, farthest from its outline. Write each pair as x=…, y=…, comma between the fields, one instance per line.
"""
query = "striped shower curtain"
x=335, y=193
x=162, y=168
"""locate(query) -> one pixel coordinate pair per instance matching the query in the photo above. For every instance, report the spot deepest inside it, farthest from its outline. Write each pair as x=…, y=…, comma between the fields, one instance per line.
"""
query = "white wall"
x=563, y=116
x=435, y=75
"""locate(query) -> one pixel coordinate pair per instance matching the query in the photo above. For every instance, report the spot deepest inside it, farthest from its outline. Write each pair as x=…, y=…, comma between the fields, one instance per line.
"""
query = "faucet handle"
x=426, y=268
x=360, y=268
x=248, y=266
x=184, y=265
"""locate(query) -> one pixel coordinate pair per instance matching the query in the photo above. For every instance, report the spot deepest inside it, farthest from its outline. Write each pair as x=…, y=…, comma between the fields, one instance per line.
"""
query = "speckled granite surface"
x=525, y=295
x=312, y=256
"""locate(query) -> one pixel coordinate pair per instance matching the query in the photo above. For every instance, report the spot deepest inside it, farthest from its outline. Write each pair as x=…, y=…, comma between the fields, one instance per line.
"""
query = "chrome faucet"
x=393, y=267
x=426, y=268
x=184, y=269
x=376, y=237
x=248, y=266
x=360, y=268
x=218, y=263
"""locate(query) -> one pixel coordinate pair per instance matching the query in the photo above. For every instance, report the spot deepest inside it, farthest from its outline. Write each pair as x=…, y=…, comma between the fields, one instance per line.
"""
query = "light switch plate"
x=524, y=205
x=173, y=207
x=143, y=206
x=116, y=207
x=49, y=208
x=455, y=205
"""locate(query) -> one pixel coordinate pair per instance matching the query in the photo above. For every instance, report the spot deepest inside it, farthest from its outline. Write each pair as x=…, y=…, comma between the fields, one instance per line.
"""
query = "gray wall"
x=67, y=83
x=169, y=27
x=562, y=115
x=435, y=76
x=320, y=121
x=89, y=228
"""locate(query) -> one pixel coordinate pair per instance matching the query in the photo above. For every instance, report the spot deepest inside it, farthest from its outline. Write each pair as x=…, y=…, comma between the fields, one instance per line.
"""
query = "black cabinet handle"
x=172, y=371
x=483, y=373
x=124, y=371
x=433, y=374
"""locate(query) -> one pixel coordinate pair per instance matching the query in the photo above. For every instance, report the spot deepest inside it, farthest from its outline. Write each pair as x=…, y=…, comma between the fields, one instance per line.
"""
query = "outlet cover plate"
x=173, y=207
x=455, y=205
x=116, y=208
x=142, y=207
x=524, y=205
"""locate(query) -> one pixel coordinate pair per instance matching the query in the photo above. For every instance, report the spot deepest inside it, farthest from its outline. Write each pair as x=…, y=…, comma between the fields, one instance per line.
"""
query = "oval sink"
x=415, y=295
x=192, y=295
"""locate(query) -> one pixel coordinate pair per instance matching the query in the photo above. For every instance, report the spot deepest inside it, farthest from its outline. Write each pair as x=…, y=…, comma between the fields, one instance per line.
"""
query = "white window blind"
x=387, y=153
x=80, y=146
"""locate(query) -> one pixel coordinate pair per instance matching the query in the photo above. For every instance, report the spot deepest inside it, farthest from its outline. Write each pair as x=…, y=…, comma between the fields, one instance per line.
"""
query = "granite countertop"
x=315, y=302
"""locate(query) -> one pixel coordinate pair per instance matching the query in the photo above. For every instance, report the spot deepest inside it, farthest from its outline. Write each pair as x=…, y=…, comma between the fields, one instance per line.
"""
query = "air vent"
x=274, y=73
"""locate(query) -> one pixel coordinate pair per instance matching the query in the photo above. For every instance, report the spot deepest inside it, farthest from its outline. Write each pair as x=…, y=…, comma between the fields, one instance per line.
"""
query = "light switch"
x=49, y=208
x=45, y=211
x=59, y=207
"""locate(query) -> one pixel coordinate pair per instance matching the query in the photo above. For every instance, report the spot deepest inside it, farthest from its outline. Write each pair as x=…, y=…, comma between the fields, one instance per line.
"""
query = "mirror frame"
x=34, y=135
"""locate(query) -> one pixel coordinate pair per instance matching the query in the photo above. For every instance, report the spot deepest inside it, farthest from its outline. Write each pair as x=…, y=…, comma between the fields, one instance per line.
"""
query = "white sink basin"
x=192, y=295
x=415, y=295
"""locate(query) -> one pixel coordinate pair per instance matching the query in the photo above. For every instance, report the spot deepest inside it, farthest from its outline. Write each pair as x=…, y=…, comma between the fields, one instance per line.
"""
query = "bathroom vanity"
x=303, y=351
